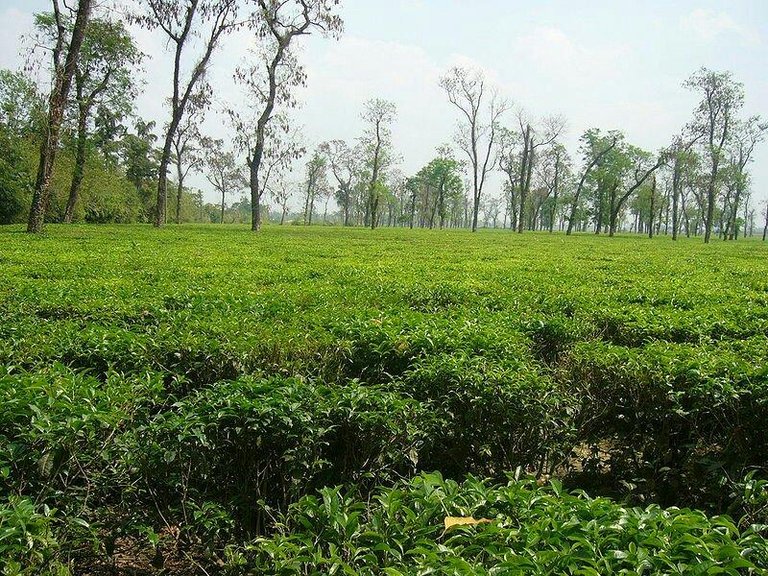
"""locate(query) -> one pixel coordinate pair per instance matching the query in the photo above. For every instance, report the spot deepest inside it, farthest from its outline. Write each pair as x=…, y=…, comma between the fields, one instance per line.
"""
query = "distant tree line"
x=78, y=151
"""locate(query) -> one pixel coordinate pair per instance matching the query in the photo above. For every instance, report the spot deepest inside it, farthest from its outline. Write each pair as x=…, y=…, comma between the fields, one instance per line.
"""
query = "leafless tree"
x=746, y=136
x=221, y=169
x=181, y=22
x=269, y=82
x=282, y=192
x=343, y=161
x=480, y=111
x=187, y=142
x=532, y=138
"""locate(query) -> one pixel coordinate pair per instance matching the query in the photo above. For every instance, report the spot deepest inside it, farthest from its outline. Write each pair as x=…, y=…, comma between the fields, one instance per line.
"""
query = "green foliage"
x=110, y=192
x=22, y=109
x=251, y=443
x=172, y=393
x=21, y=114
x=16, y=179
x=27, y=543
x=532, y=530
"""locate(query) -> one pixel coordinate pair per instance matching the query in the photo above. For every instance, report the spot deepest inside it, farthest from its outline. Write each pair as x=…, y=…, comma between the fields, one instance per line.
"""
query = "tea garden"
x=203, y=400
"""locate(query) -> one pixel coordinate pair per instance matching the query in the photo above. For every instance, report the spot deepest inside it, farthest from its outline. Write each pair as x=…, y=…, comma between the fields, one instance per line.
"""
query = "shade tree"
x=480, y=110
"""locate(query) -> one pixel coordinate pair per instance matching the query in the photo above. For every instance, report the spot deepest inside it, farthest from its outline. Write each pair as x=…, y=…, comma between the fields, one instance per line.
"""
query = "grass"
x=168, y=396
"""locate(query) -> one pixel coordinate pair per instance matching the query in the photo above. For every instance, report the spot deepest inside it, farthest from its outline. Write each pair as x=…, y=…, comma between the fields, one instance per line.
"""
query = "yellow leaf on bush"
x=451, y=521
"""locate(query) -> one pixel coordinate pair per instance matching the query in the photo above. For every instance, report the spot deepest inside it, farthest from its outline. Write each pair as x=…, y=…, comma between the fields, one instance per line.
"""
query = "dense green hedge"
x=170, y=393
x=532, y=530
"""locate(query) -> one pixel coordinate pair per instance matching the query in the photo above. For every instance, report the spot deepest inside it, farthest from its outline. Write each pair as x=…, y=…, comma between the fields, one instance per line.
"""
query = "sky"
x=611, y=64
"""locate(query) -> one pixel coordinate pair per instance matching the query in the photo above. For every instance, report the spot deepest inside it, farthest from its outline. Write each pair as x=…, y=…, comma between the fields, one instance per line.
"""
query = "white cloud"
x=554, y=53
x=707, y=25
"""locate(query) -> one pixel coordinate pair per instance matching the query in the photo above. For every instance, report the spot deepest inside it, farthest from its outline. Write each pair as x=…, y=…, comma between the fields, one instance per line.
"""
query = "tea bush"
x=524, y=529
x=193, y=397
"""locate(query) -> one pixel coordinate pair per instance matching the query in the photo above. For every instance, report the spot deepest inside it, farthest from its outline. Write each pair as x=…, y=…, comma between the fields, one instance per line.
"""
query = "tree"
x=187, y=142
x=378, y=116
x=22, y=114
x=182, y=22
x=343, y=161
x=509, y=162
x=682, y=159
x=67, y=46
x=281, y=147
x=532, y=139
x=222, y=170
x=746, y=136
x=554, y=171
x=765, y=228
x=141, y=160
x=441, y=187
x=277, y=24
x=714, y=117
x=480, y=112
x=22, y=107
x=104, y=78
x=316, y=183
x=594, y=148
x=282, y=192
x=652, y=207
x=491, y=208
x=633, y=167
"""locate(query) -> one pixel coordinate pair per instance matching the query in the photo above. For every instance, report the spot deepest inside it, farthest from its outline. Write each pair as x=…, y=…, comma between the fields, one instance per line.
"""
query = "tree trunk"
x=710, y=215
x=179, y=190
x=306, y=200
x=441, y=204
x=57, y=102
x=525, y=176
x=79, y=170
x=373, y=194
x=614, y=216
x=600, y=207
x=653, y=207
x=675, y=198
x=346, y=208
x=475, y=212
x=255, y=195
x=553, y=213
x=733, y=232
x=162, y=181
x=765, y=228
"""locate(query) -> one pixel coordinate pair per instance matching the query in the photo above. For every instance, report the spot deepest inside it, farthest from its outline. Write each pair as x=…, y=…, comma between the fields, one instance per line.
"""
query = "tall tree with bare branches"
x=342, y=160
x=221, y=169
x=269, y=82
x=480, y=110
x=747, y=135
x=533, y=138
x=181, y=22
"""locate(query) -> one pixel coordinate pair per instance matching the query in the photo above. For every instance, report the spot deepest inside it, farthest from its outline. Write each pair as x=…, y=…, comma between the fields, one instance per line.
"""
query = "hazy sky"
x=612, y=64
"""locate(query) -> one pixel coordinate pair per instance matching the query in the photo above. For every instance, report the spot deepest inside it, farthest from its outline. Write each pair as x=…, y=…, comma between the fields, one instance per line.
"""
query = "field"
x=203, y=400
